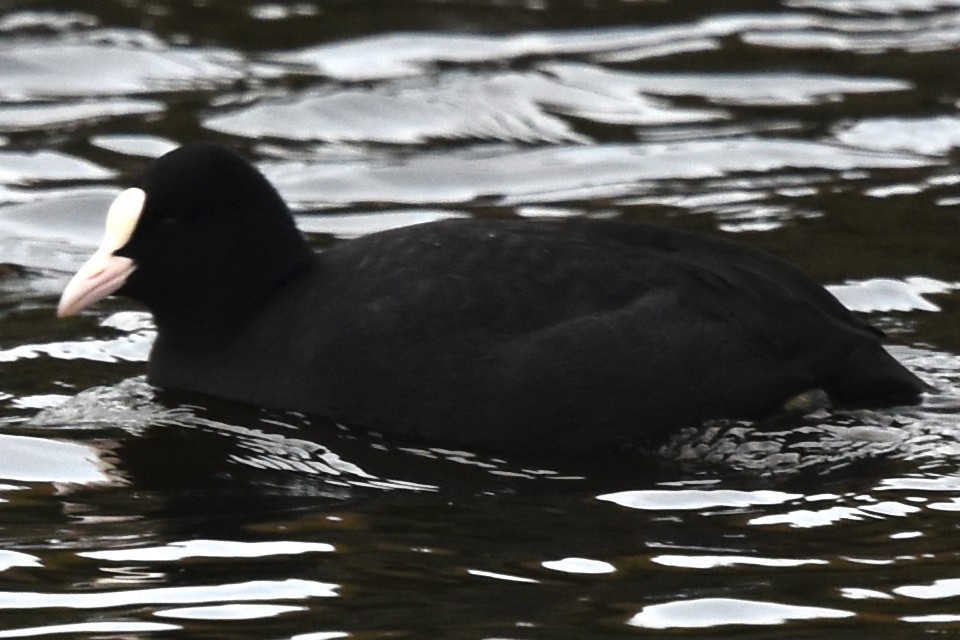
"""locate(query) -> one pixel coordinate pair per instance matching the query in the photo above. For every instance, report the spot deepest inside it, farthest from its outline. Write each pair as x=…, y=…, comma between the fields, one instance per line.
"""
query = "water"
x=822, y=131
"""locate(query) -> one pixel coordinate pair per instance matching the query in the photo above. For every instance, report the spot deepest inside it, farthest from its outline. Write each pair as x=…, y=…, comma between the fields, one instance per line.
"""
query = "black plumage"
x=510, y=335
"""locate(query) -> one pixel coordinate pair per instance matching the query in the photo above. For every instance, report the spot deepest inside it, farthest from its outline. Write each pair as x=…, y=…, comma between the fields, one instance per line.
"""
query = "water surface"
x=822, y=131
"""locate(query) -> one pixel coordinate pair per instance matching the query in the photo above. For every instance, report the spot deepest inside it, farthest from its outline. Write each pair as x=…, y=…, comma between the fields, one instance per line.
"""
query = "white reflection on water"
x=134, y=145
x=942, y=618
x=276, y=11
x=951, y=505
x=714, y=562
x=253, y=591
x=875, y=7
x=520, y=106
x=133, y=346
x=560, y=172
x=856, y=593
x=808, y=518
x=321, y=635
x=871, y=36
x=784, y=89
x=10, y=559
x=89, y=628
x=228, y=612
x=399, y=54
x=502, y=106
x=714, y=612
x=696, y=499
x=27, y=459
x=26, y=118
x=114, y=63
x=352, y=225
x=176, y=551
x=932, y=136
x=935, y=483
x=946, y=588
x=500, y=576
x=887, y=294
x=579, y=565
x=24, y=167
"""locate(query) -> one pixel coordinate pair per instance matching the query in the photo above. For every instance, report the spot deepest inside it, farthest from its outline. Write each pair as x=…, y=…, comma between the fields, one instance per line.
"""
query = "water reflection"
x=715, y=612
x=269, y=445
x=821, y=130
x=254, y=591
x=186, y=441
x=114, y=63
x=180, y=550
x=89, y=628
x=513, y=106
x=26, y=459
x=509, y=175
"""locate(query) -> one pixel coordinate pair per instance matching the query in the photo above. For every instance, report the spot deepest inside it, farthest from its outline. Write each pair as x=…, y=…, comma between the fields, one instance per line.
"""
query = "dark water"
x=824, y=131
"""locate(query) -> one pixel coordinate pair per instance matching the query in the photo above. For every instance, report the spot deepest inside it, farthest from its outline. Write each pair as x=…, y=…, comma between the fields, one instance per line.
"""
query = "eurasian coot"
x=521, y=336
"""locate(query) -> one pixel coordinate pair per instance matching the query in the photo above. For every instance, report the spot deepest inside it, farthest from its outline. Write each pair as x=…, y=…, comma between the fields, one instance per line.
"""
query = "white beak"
x=104, y=272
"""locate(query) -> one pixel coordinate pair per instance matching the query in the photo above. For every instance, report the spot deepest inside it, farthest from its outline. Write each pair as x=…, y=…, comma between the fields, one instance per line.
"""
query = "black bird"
x=519, y=336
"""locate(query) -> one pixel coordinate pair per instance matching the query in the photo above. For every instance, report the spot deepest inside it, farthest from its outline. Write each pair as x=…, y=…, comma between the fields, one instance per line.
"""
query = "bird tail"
x=870, y=376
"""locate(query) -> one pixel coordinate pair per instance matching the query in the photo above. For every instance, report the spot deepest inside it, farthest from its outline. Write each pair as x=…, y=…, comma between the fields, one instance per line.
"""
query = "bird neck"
x=207, y=317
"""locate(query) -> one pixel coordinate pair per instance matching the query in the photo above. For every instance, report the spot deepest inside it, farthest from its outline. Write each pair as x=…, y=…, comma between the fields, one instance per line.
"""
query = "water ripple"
x=112, y=63
x=563, y=172
x=713, y=612
x=252, y=591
